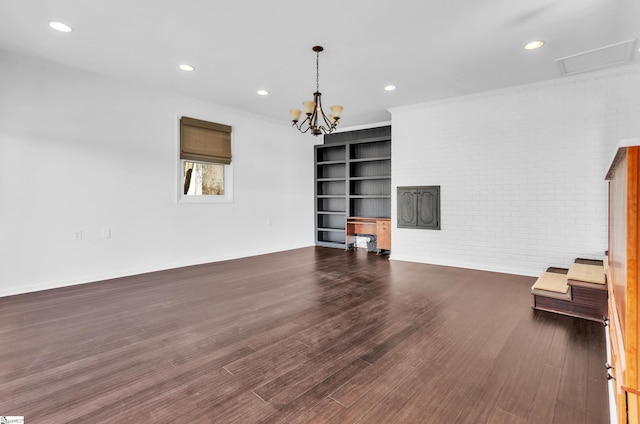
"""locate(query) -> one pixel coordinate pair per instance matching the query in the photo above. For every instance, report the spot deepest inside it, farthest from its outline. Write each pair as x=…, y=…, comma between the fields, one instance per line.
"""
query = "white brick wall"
x=521, y=171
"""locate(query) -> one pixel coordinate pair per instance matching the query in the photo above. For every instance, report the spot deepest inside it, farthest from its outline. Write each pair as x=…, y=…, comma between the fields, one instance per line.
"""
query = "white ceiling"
x=429, y=49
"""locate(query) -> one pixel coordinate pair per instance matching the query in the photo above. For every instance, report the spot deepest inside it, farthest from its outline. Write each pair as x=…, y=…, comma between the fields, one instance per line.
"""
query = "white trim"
x=458, y=264
x=363, y=126
x=613, y=408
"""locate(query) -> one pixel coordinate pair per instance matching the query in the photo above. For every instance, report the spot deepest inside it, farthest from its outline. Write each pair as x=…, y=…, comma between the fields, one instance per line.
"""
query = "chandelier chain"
x=317, y=71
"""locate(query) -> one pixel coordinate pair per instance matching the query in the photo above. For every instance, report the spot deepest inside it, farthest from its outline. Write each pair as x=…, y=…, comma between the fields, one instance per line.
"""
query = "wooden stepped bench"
x=580, y=291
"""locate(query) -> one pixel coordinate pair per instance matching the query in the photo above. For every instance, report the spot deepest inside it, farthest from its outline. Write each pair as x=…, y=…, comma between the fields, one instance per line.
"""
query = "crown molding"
x=564, y=80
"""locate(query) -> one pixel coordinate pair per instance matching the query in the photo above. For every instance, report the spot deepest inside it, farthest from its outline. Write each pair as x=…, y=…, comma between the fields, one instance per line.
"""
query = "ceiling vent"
x=604, y=57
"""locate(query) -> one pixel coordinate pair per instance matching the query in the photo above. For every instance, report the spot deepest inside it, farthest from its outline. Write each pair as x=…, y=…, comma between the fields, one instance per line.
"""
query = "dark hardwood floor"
x=311, y=335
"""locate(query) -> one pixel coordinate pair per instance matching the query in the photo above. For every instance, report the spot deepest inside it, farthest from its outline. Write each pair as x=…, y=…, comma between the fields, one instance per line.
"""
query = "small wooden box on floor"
x=580, y=291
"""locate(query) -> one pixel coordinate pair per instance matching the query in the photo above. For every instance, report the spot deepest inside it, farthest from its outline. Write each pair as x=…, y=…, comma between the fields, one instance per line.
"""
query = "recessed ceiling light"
x=263, y=92
x=390, y=87
x=534, y=45
x=186, y=67
x=59, y=26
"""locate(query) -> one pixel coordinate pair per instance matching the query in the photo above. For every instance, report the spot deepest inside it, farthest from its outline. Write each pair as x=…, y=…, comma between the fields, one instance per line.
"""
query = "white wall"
x=82, y=152
x=521, y=171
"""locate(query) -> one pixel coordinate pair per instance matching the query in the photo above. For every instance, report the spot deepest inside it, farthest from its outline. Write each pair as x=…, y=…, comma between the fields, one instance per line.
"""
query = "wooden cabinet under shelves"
x=352, y=178
x=622, y=267
x=383, y=232
x=379, y=227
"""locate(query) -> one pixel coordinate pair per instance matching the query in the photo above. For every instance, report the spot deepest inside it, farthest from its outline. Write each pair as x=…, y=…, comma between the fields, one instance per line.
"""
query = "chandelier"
x=316, y=120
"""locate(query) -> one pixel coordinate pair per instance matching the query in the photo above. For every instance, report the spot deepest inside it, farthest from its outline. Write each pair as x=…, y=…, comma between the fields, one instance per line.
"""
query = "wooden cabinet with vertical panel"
x=383, y=231
x=622, y=273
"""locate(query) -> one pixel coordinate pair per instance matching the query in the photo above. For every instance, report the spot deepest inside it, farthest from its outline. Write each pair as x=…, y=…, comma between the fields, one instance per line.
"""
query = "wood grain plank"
x=395, y=397
x=311, y=397
x=297, y=381
x=543, y=407
x=568, y=413
x=520, y=388
x=574, y=380
x=324, y=412
x=596, y=379
x=502, y=417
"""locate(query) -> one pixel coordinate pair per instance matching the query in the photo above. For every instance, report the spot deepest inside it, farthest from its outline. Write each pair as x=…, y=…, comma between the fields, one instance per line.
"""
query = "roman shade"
x=204, y=141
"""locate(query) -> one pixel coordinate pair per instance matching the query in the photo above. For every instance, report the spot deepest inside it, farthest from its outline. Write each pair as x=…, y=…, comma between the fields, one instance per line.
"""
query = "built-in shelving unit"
x=353, y=178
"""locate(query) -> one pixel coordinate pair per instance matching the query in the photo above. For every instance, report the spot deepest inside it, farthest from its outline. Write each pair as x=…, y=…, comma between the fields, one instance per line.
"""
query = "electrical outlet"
x=77, y=235
x=106, y=233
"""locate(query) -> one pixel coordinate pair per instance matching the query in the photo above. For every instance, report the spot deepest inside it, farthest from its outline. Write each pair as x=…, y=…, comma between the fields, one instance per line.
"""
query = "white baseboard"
x=466, y=265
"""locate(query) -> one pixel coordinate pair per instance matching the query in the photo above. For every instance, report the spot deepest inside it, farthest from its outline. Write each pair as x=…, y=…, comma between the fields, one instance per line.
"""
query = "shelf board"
x=334, y=230
x=331, y=196
x=332, y=162
x=369, y=196
x=321, y=180
x=331, y=213
x=333, y=244
x=379, y=177
x=372, y=159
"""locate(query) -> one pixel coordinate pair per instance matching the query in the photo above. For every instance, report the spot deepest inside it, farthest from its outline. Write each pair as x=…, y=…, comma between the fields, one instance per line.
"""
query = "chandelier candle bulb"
x=295, y=114
x=308, y=107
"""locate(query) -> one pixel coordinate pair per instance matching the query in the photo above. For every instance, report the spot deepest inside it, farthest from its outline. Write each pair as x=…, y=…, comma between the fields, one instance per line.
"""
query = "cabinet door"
x=428, y=214
x=383, y=231
x=407, y=207
x=419, y=207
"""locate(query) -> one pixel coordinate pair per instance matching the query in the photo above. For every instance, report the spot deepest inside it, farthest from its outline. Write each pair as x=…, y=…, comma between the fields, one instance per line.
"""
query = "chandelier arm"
x=301, y=125
x=330, y=125
x=319, y=108
x=314, y=116
x=305, y=131
x=313, y=121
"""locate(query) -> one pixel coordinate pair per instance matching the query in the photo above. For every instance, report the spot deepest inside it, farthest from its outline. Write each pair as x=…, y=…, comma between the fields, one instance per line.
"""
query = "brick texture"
x=521, y=171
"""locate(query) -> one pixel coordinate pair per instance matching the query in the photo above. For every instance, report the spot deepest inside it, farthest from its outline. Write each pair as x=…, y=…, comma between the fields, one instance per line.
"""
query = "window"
x=205, y=162
x=203, y=179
